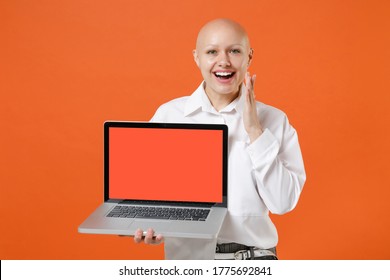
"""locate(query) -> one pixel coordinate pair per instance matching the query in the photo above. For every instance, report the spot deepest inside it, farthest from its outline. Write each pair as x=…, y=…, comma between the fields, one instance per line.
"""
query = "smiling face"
x=223, y=55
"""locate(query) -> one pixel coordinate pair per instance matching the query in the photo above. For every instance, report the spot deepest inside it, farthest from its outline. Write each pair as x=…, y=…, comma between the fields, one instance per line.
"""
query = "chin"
x=227, y=90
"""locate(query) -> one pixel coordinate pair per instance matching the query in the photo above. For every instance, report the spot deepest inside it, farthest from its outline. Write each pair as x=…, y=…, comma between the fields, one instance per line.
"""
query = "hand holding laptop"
x=149, y=237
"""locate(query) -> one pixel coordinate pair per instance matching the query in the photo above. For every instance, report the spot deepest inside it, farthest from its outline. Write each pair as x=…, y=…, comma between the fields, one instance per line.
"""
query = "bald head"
x=213, y=30
x=223, y=55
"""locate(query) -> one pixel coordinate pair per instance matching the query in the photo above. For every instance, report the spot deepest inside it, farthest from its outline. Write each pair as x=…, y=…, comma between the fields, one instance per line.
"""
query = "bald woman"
x=266, y=170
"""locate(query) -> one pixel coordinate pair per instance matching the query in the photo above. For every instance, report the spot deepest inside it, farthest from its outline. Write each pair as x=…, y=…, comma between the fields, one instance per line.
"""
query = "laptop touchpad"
x=157, y=226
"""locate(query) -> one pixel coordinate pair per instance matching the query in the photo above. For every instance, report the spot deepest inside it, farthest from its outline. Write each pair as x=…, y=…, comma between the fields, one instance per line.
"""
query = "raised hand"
x=251, y=120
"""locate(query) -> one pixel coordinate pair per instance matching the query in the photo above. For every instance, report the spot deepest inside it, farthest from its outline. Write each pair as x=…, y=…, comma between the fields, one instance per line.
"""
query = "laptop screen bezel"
x=195, y=126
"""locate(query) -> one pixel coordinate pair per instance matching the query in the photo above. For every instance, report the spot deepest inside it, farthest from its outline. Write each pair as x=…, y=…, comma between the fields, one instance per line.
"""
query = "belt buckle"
x=244, y=255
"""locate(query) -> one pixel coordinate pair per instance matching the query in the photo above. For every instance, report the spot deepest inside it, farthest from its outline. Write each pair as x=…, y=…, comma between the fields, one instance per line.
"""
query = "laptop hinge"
x=167, y=203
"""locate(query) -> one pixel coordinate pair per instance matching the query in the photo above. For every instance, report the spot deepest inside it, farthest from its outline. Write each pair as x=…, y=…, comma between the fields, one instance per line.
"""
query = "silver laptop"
x=166, y=176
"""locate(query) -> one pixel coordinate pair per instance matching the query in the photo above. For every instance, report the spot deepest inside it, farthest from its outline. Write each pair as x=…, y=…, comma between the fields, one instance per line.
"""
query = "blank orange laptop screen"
x=165, y=164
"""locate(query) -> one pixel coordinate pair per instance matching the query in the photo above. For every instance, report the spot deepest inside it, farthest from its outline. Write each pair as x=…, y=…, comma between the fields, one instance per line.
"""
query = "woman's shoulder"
x=171, y=110
x=270, y=110
x=174, y=103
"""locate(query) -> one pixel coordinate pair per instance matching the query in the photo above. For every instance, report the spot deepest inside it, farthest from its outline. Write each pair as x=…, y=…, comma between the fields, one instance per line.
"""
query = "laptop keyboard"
x=164, y=213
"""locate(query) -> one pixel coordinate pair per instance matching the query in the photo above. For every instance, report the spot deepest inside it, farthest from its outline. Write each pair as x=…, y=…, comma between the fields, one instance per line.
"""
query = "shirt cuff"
x=264, y=149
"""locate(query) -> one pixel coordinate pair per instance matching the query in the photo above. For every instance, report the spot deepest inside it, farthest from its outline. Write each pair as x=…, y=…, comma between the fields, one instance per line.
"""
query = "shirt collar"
x=199, y=100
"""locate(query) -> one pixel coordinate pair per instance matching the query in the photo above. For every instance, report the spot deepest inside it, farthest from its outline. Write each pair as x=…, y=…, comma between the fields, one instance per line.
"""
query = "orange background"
x=66, y=66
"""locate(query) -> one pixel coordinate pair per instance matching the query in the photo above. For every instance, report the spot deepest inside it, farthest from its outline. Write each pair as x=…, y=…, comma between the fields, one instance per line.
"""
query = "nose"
x=223, y=59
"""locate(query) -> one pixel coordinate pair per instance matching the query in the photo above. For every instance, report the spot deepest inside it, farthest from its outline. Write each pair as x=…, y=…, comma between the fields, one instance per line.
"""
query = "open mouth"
x=224, y=75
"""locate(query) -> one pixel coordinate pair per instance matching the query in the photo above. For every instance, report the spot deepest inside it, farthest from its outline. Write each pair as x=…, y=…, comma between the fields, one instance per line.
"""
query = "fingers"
x=248, y=81
x=159, y=238
x=149, y=237
x=138, y=236
x=249, y=84
x=253, y=84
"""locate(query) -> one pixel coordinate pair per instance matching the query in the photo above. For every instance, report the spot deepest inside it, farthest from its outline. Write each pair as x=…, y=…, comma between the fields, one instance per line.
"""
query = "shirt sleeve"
x=278, y=168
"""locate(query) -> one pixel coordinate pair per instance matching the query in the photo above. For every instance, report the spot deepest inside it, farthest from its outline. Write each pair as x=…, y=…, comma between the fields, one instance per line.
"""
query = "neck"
x=220, y=101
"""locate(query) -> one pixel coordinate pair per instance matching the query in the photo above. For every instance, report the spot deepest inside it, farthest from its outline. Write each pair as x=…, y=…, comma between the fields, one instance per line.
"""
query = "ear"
x=250, y=56
x=196, y=58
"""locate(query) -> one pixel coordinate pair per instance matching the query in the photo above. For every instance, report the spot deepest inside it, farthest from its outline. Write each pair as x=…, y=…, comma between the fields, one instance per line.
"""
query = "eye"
x=211, y=52
x=235, y=51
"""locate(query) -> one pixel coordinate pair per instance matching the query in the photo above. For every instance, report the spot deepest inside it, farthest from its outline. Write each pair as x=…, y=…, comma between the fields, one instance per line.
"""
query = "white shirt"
x=267, y=175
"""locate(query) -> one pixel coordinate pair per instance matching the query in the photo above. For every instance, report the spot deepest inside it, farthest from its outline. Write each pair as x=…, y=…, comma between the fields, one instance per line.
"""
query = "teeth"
x=223, y=73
